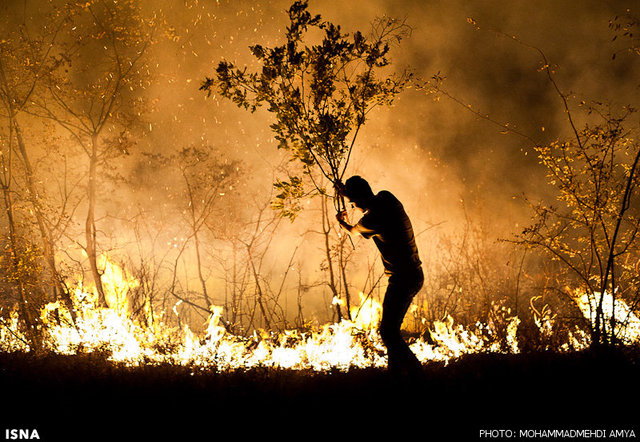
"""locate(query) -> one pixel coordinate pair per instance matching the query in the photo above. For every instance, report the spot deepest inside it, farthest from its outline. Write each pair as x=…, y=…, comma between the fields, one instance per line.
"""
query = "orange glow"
x=344, y=345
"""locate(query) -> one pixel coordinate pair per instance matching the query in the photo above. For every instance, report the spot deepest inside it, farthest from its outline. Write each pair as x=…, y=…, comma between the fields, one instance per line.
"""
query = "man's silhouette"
x=387, y=223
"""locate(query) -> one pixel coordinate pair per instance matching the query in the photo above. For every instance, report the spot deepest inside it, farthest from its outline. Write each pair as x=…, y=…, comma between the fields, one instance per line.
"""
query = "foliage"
x=287, y=200
x=100, y=73
x=320, y=94
x=625, y=27
x=593, y=230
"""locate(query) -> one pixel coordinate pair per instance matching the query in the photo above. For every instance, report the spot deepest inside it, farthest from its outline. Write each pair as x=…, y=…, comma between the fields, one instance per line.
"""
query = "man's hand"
x=342, y=219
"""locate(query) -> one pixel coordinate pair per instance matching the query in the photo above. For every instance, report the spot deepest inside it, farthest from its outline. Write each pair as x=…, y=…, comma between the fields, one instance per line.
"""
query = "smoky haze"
x=489, y=72
x=448, y=166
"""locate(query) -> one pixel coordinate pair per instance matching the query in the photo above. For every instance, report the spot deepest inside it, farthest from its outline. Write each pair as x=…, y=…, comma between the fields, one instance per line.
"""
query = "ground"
x=86, y=398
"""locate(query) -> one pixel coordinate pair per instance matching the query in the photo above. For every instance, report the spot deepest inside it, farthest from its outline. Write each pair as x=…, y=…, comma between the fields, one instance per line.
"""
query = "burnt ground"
x=86, y=398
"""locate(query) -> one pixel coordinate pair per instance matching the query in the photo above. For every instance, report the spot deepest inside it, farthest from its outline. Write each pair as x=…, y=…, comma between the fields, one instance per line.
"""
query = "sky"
x=448, y=166
x=429, y=152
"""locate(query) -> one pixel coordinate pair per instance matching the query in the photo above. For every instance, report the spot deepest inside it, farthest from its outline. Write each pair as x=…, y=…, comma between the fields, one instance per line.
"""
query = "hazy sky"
x=429, y=152
x=432, y=155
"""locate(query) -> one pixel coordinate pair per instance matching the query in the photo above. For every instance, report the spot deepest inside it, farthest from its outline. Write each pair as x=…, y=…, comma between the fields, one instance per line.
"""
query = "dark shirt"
x=388, y=224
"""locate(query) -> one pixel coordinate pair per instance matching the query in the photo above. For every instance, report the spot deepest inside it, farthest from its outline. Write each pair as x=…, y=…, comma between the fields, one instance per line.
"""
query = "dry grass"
x=85, y=397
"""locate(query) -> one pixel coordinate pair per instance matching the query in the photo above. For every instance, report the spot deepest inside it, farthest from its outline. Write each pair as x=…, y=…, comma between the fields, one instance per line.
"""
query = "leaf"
x=317, y=108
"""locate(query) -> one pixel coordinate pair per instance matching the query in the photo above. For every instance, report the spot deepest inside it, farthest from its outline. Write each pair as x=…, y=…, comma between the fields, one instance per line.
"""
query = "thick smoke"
x=490, y=72
x=446, y=164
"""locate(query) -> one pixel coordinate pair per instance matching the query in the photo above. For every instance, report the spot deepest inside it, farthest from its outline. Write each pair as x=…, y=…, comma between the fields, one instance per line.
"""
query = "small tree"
x=593, y=231
x=28, y=55
x=320, y=94
x=94, y=92
x=203, y=181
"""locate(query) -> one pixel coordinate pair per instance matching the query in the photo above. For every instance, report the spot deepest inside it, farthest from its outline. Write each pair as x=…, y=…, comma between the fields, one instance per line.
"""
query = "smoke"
x=495, y=75
x=444, y=162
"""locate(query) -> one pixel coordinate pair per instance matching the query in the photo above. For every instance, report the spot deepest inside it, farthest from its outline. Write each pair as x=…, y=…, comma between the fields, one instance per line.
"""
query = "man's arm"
x=341, y=216
x=356, y=228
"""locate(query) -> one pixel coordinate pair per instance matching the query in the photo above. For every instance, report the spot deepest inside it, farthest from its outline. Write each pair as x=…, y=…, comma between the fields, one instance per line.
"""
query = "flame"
x=627, y=323
x=344, y=345
x=10, y=335
x=116, y=283
x=368, y=314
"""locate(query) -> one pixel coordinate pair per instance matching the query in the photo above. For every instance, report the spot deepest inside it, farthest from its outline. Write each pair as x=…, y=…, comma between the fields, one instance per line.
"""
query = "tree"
x=27, y=57
x=320, y=94
x=93, y=93
x=254, y=281
x=593, y=231
x=201, y=181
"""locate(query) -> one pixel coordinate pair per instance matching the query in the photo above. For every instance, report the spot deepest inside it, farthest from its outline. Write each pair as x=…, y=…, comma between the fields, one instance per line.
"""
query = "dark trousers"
x=400, y=292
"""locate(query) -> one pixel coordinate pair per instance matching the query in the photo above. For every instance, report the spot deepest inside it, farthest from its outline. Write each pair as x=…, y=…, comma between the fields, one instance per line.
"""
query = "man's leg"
x=396, y=302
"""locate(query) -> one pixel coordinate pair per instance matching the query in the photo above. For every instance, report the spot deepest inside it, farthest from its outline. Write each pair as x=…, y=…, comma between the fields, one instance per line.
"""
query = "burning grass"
x=342, y=346
x=107, y=374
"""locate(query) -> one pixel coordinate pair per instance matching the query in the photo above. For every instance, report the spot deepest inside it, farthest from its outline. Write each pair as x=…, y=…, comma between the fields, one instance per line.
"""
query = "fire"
x=116, y=283
x=344, y=345
x=627, y=323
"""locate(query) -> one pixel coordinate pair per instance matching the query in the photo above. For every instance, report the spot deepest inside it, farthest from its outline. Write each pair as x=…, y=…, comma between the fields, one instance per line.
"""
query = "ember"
x=343, y=345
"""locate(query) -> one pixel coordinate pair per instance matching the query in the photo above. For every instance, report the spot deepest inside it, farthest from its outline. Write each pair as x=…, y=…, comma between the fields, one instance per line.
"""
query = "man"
x=387, y=223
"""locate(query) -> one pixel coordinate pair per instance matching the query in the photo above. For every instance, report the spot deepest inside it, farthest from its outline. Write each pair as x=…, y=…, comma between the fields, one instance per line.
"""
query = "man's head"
x=358, y=191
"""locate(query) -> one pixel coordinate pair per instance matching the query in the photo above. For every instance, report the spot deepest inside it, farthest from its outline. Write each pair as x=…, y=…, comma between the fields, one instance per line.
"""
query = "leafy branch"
x=320, y=94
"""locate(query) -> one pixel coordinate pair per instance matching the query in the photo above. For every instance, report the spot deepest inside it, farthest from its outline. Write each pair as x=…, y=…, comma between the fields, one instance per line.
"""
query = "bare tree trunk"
x=343, y=270
x=203, y=282
x=234, y=286
x=299, y=321
x=90, y=224
x=326, y=230
x=259, y=293
x=195, y=228
x=59, y=286
x=25, y=310
x=601, y=333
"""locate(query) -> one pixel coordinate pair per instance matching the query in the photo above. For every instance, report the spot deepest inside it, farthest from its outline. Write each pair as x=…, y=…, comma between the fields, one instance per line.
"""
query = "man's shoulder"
x=385, y=194
x=385, y=198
